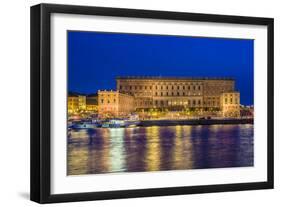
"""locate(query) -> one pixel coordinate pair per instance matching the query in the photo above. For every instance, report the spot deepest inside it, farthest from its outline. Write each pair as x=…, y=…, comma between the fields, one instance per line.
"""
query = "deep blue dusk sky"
x=95, y=59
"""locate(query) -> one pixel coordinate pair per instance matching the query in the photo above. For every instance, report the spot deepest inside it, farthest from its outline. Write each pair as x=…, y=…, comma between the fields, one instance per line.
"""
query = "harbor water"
x=159, y=148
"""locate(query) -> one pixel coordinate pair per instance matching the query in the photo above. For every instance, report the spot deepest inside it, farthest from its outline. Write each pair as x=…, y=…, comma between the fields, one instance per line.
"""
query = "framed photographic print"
x=133, y=103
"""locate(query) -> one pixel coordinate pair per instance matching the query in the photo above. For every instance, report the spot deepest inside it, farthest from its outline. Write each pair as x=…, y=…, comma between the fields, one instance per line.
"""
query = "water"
x=159, y=148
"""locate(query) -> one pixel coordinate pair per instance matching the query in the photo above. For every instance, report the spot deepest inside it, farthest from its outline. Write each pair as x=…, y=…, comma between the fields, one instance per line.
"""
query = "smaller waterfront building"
x=230, y=104
x=76, y=102
x=115, y=104
x=247, y=111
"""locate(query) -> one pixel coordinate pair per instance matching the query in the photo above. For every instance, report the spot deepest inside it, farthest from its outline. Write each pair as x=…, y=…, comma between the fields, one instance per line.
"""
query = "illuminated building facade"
x=115, y=104
x=180, y=93
x=168, y=93
x=230, y=104
x=76, y=102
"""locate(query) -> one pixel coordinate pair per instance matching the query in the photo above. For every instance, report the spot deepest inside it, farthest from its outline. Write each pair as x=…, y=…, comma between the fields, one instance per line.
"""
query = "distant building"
x=247, y=111
x=115, y=104
x=76, y=102
x=92, y=102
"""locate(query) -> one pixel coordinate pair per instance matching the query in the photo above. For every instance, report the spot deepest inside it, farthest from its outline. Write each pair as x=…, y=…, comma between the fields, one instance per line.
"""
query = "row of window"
x=102, y=101
x=189, y=102
x=231, y=95
x=108, y=101
x=175, y=94
x=230, y=101
x=166, y=102
x=108, y=95
x=160, y=87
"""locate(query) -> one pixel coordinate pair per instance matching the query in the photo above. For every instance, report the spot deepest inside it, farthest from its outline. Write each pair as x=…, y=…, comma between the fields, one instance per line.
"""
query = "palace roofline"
x=173, y=78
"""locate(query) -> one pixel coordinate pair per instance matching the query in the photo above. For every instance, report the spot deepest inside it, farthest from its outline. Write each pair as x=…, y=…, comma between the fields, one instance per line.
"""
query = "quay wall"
x=194, y=122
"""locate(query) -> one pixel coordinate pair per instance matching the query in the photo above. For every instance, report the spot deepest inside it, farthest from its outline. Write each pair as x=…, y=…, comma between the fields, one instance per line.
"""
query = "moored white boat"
x=119, y=123
x=84, y=126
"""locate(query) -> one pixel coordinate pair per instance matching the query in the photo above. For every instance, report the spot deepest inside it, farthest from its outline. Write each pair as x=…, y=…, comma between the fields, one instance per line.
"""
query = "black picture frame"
x=41, y=95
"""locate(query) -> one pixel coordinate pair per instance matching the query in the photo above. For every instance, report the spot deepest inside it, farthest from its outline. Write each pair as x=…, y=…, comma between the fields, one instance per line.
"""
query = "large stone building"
x=115, y=104
x=168, y=93
x=179, y=92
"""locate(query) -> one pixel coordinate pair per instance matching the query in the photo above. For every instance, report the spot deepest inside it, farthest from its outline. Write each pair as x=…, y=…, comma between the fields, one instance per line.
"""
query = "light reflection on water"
x=159, y=148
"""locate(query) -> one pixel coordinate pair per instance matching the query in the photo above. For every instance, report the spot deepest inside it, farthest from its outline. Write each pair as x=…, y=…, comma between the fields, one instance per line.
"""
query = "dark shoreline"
x=194, y=122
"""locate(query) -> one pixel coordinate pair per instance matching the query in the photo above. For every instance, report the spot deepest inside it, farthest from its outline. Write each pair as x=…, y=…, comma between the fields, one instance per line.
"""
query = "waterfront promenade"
x=195, y=122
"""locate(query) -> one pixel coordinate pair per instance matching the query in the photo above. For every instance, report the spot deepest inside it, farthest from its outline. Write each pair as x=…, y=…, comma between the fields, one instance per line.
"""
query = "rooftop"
x=75, y=94
x=173, y=78
x=92, y=95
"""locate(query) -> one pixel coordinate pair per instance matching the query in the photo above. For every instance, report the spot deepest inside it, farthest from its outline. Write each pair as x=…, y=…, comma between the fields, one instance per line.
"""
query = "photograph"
x=150, y=102
x=132, y=103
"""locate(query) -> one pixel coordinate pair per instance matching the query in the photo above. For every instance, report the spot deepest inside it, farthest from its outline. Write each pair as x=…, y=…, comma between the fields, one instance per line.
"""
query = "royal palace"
x=135, y=94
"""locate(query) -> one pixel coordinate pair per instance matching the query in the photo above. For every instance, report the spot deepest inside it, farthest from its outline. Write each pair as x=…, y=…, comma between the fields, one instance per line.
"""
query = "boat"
x=119, y=123
x=113, y=123
x=84, y=125
x=131, y=123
